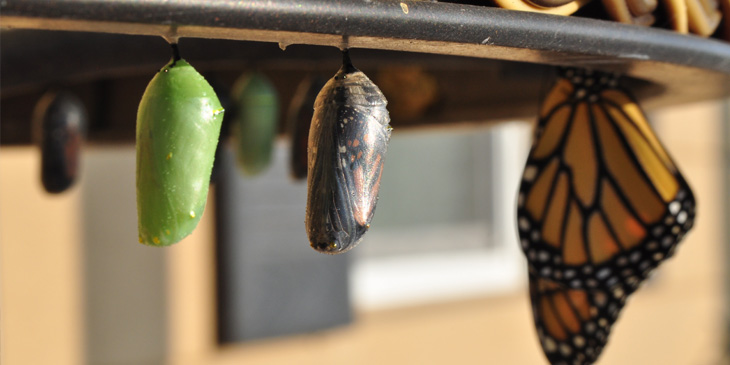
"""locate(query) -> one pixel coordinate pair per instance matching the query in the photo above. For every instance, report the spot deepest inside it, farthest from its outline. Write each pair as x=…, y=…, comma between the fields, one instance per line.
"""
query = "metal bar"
x=414, y=26
x=681, y=68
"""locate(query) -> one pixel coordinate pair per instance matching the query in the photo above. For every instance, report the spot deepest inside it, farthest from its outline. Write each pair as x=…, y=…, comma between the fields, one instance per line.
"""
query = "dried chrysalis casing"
x=299, y=121
x=59, y=123
x=347, y=144
x=178, y=124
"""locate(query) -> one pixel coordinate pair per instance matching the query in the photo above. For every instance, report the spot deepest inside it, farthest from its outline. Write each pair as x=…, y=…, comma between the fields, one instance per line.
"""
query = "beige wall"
x=40, y=266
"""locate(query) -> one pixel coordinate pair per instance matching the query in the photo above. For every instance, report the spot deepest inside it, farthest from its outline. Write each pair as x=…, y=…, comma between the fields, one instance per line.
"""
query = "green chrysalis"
x=178, y=124
x=256, y=121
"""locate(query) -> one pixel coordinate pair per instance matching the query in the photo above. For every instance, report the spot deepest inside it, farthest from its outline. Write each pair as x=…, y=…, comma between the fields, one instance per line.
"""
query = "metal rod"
x=415, y=26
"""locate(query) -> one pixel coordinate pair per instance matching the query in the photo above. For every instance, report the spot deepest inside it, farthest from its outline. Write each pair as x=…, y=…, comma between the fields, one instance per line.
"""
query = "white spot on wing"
x=674, y=207
x=682, y=217
x=530, y=173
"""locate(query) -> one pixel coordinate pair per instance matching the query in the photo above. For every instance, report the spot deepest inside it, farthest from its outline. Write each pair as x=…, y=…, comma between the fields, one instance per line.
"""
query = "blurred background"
x=438, y=279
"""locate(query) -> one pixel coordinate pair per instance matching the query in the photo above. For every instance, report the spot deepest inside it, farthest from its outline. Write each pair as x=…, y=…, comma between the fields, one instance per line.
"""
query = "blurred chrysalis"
x=347, y=144
x=256, y=121
x=299, y=120
x=59, y=123
x=178, y=124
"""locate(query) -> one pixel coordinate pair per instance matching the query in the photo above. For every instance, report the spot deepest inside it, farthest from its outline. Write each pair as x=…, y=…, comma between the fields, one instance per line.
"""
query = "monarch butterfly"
x=178, y=123
x=573, y=324
x=347, y=144
x=299, y=120
x=256, y=121
x=601, y=202
x=59, y=123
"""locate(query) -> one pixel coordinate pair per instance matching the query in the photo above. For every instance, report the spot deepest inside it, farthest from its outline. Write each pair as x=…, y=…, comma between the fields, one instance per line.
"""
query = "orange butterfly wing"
x=573, y=324
x=601, y=202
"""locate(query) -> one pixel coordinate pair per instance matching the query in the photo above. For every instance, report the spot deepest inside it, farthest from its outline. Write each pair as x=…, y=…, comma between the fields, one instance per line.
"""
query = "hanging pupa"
x=59, y=123
x=299, y=121
x=178, y=124
x=256, y=121
x=347, y=144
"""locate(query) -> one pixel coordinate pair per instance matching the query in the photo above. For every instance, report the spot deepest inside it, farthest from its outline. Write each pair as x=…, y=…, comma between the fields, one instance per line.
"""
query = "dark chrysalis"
x=299, y=120
x=256, y=121
x=178, y=124
x=59, y=122
x=347, y=144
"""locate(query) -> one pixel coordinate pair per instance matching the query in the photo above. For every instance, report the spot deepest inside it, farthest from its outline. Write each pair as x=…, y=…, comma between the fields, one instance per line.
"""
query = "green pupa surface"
x=256, y=122
x=178, y=125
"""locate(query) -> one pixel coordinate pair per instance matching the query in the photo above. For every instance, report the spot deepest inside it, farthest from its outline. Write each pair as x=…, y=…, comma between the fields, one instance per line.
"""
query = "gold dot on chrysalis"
x=140, y=239
x=167, y=232
x=169, y=155
x=192, y=214
x=156, y=240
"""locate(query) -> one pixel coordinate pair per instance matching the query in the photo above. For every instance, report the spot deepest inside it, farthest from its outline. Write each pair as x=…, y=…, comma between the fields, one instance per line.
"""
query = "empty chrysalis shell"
x=59, y=123
x=347, y=144
x=256, y=121
x=178, y=124
x=299, y=121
